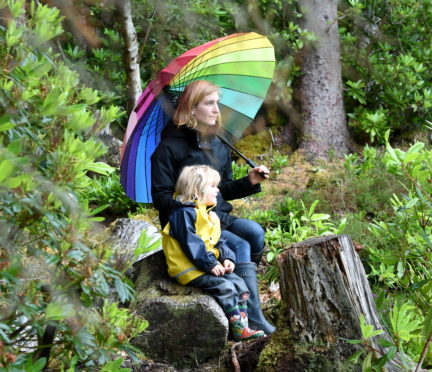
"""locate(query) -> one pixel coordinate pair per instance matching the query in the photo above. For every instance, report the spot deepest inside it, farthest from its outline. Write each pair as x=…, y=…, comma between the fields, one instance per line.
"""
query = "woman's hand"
x=218, y=270
x=229, y=266
x=258, y=174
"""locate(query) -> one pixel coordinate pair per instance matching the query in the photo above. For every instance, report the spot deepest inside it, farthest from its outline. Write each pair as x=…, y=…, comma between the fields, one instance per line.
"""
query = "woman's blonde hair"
x=193, y=182
x=192, y=95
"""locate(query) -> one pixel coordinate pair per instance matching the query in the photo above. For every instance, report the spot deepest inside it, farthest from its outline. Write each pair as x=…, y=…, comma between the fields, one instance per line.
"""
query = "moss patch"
x=255, y=145
x=284, y=354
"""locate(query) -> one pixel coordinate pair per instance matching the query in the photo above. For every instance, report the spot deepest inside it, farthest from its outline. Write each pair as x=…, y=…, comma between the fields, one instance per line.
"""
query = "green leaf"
x=114, y=366
x=413, y=152
x=6, y=169
x=37, y=366
x=392, y=153
x=385, y=343
x=354, y=342
x=15, y=147
x=427, y=325
x=367, y=362
x=404, y=321
x=380, y=299
x=100, y=167
x=3, y=335
x=56, y=311
x=367, y=329
x=400, y=269
x=6, y=126
x=146, y=243
x=98, y=209
x=124, y=291
x=381, y=362
x=355, y=357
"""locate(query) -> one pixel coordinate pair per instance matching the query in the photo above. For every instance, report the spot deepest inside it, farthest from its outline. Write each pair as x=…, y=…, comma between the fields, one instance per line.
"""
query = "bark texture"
x=323, y=113
x=324, y=291
x=133, y=78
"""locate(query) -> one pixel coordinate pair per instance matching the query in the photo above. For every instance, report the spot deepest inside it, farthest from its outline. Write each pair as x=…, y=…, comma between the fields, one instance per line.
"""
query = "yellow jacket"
x=191, y=243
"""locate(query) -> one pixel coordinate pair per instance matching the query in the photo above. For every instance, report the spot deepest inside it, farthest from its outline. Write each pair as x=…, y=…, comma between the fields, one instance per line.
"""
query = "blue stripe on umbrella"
x=131, y=152
x=150, y=137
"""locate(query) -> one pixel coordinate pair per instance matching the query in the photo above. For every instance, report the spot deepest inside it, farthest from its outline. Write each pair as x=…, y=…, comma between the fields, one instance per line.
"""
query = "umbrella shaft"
x=246, y=159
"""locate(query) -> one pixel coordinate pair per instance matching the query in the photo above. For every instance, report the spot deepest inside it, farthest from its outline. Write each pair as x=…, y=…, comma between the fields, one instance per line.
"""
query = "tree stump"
x=324, y=291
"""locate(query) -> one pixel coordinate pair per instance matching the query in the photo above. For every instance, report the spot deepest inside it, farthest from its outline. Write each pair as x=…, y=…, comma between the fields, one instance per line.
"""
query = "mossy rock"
x=186, y=326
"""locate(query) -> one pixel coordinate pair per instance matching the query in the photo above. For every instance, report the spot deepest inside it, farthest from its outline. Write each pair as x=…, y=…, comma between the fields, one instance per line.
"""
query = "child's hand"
x=229, y=266
x=218, y=270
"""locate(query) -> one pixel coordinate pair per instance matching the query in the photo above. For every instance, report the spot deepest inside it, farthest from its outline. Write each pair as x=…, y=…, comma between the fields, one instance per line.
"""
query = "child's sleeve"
x=225, y=252
x=182, y=223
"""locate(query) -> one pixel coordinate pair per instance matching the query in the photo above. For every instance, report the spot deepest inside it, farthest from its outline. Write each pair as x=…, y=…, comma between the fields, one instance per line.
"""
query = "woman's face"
x=207, y=110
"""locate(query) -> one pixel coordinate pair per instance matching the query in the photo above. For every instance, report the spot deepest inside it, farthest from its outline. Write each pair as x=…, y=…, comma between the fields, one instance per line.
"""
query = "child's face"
x=211, y=193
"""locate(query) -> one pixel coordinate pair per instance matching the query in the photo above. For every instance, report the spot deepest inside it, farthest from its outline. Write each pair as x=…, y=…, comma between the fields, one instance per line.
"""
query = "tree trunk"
x=133, y=78
x=324, y=291
x=323, y=113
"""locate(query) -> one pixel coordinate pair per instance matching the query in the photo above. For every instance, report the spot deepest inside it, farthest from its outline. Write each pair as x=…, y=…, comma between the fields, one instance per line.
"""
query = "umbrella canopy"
x=240, y=64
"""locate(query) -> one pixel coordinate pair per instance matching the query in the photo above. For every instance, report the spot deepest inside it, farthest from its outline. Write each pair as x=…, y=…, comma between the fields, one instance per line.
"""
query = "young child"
x=196, y=255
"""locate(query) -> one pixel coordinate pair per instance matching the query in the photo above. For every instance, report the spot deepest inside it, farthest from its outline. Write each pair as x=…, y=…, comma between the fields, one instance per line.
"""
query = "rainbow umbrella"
x=240, y=64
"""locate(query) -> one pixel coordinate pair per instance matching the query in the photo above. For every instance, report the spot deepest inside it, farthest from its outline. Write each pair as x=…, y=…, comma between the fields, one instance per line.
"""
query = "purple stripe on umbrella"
x=145, y=104
x=131, y=153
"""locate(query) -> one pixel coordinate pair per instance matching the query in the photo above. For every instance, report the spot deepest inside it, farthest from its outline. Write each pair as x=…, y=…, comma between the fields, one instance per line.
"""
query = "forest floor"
x=291, y=180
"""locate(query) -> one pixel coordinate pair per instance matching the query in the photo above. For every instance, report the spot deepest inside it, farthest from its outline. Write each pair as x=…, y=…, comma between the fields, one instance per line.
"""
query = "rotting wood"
x=324, y=292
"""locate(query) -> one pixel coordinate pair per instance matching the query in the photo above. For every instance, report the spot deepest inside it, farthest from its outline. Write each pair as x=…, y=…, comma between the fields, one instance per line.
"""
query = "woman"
x=191, y=140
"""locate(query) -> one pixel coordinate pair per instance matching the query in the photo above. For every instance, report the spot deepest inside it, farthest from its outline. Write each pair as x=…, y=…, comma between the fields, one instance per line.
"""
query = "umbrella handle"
x=251, y=163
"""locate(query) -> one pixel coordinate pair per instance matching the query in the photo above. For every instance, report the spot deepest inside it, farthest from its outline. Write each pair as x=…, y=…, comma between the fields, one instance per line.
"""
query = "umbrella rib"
x=197, y=62
x=215, y=47
x=226, y=73
x=236, y=90
x=200, y=71
x=218, y=46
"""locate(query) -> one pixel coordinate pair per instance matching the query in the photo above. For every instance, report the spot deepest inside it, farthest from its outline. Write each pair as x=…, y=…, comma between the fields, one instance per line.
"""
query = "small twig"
x=423, y=354
x=143, y=45
x=272, y=141
x=412, y=179
x=234, y=360
x=59, y=47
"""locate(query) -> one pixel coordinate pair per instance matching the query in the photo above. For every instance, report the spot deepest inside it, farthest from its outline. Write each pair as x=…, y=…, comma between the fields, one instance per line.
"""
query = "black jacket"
x=181, y=147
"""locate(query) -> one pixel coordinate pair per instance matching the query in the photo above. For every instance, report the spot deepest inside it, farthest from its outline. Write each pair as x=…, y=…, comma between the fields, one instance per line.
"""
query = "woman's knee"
x=238, y=245
x=250, y=231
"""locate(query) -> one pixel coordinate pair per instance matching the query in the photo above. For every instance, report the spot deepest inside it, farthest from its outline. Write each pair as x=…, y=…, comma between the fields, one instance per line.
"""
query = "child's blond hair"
x=193, y=182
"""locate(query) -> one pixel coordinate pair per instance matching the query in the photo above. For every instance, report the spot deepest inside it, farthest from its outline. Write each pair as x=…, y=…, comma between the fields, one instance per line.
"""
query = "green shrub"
x=239, y=170
x=53, y=264
x=296, y=223
x=398, y=254
x=387, y=62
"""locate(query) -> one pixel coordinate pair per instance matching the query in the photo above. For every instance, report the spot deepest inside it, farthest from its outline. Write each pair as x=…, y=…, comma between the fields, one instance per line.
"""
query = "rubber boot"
x=247, y=271
x=256, y=257
x=238, y=322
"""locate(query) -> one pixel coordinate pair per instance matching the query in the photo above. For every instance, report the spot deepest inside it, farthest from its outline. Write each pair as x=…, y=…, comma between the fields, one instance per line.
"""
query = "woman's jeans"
x=245, y=238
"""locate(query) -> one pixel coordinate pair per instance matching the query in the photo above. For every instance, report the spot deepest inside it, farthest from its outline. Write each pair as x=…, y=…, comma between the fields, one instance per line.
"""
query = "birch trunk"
x=133, y=78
